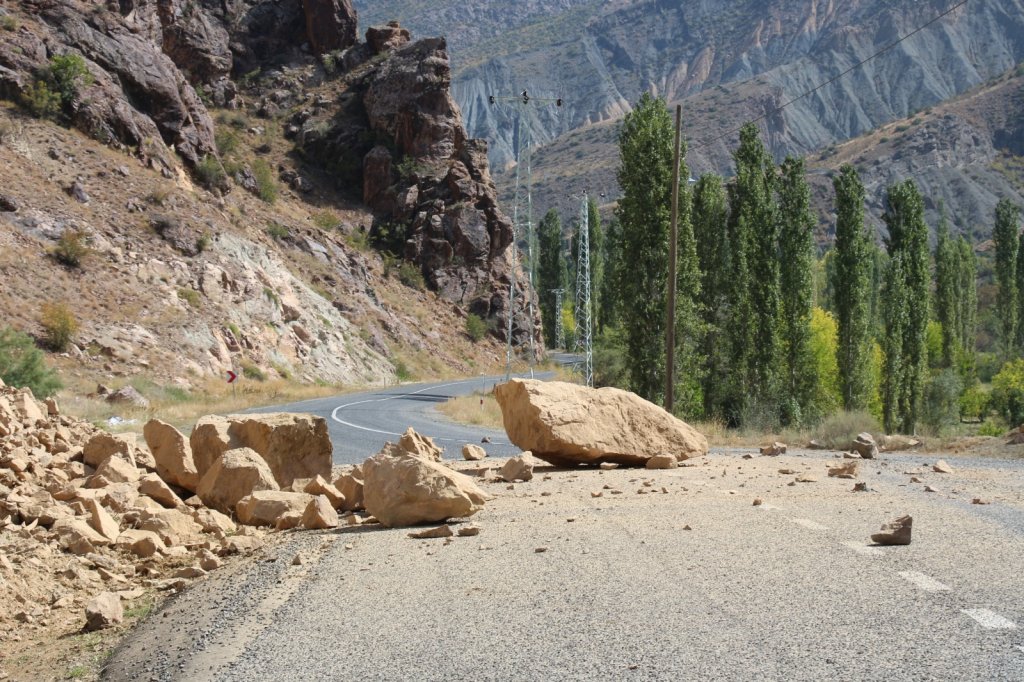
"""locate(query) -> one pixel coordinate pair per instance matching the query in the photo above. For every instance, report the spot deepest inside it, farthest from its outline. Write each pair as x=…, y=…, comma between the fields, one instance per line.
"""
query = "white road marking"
x=861, y=548
x=807, y=523
x=926, y=583
x=990, y=620
x=339, y=408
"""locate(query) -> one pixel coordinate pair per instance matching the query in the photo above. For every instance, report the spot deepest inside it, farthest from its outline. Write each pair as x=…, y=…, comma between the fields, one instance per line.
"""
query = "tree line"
x=769, y=334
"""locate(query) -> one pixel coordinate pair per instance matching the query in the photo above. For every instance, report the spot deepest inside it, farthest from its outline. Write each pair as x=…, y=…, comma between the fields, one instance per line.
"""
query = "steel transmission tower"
x=584, y=324
x=523, y=198
x=559, y=329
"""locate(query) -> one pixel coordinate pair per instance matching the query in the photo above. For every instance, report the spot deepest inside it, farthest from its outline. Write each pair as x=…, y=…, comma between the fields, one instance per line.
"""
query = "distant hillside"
x=726, y=62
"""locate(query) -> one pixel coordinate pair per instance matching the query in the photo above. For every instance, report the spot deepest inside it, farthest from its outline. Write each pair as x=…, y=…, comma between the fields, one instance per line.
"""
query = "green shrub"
x=227, y=140
x=941, y=405
x=22, y=364
x=9, y=23
x=272, y=296
x=40, y=101
x=476, y=328
x=203, y=243
x=277, y=230
x=265, y=182
x=991, y=428
x=67, y=73
x=974, y=404
x=71, y=249
x=210, y=172
x=402, y=372
x=410, y=275
x=59, y=326
x=1008, y=392
x=251, y=371
x=190, y=296
x=838, y=430
x=326, y=220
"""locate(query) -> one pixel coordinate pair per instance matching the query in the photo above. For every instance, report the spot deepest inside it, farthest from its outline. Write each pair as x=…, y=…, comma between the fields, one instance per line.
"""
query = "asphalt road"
x=360, y=423
x=689, y=581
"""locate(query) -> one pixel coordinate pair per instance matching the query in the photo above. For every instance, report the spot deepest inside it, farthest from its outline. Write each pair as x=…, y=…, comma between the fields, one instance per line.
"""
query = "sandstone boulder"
x=141, y=543
x=293, y=445
x=154, y=486
x=518, y=468
x=102, y=611
x=420, y=446
x=473, y=453
x=942, y=467
x=774, y=450
x=319, y=514
x=350, y=485
x=662, y=462
x=104, y=445
x=174, y=527
x=864, y=445
x=232, y=476
x=569, y=424
x=212, y=521
x=318, y=486
x=401, y=489
x=117, y=470
x=101, y=521
x=264, y=507
x=173, y=455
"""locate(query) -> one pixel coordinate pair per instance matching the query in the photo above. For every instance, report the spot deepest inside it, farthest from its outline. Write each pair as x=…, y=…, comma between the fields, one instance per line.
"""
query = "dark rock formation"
x=384, y=38
x=330, y=24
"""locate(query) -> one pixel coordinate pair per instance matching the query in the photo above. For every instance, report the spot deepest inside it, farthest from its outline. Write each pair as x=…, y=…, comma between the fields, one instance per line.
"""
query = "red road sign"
x=231, y=377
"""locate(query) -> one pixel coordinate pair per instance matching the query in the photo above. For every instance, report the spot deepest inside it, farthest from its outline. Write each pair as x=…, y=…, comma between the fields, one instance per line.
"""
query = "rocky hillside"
x=726, y=62
x=206, y=162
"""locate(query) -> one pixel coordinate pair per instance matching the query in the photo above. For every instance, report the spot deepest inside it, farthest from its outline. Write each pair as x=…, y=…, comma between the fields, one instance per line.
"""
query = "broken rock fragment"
x=518, y=468
x=102, y=611
x=895, y=532
x=847, y=469
x=864, y=445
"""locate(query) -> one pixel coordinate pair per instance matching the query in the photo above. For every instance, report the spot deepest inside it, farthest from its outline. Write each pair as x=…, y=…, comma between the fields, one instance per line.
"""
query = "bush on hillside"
x=71, y=249
x=22, y=364
x=1008, y=392
x=476, y=328
x=941, y=404
x=59, y=326
x=837, y=431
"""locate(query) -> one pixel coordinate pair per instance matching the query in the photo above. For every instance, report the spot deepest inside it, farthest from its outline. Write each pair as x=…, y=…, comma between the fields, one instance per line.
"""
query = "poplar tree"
x=608, y=298
x=756, y=302
x=552, y=273
x=1019, y=337
x=967, y=333
x=645, y=177
x=905, y=304
x=796, y=280
x=852, y=286
x=1007, y=245
x=710, y=216
x=948, y=295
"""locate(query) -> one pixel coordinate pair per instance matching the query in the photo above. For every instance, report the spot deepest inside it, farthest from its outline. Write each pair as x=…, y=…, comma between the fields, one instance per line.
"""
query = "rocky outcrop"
x=569, y=424
x=330, y=24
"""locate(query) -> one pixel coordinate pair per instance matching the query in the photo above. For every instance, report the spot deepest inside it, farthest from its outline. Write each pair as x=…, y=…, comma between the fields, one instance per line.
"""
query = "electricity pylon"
x=584, y=324
x=523, y=198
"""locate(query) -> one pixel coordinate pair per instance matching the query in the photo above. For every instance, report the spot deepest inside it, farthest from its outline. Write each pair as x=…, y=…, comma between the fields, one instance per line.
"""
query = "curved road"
x=360, y=423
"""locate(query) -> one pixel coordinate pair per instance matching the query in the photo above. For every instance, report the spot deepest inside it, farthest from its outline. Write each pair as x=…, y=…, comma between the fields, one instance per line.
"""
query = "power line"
x=706, y=143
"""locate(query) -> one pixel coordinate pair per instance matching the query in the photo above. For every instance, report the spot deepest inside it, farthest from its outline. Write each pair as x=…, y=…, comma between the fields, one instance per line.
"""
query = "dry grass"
x=478, y=409
x=183, y=408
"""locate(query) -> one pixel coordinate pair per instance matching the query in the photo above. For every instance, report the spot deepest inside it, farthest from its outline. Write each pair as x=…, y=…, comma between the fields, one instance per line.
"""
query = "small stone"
x=929, y=489
x=852, y=455
x=540, y=550
x=865, y=445
x=608, y=466
x=597, y=493
x=662, y=462
x=787, y=472
x=469, y=531
x=806, y=478
x=298, y=559
x=758, y=501
x=444, y=531
x=978, y=500
x=518, y=468
x=860, y=487
x=941, y=467
x=915, y=479
x=846, y=470
x=774, y=450
x=687, y=527
x=895, y=532
x=473, y=453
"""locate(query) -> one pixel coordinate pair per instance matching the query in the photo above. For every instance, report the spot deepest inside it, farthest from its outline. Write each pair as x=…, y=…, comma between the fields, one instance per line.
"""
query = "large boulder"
x=403, y=489
x=232, y=476
x=104, y=445
x=264, y=507
x=103, y=610
x=172, y=453
x=293, y=445
x=565, y=424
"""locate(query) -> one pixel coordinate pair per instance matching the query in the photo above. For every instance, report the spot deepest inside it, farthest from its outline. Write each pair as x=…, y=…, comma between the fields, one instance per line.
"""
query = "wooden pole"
x=670, y=321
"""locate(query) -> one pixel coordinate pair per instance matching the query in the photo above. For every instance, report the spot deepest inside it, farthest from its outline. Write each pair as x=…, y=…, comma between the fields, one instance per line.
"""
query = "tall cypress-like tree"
x=1006, y=242
x=796, y=279
x=968, y=331
x=1019, y=337
x=710, y=227
x=948, y=295
x=852, y=286
x=552, y=273
x=645, y=177
x=755, y=240
x=906, y=307
x=608, y=299
x=690, y=362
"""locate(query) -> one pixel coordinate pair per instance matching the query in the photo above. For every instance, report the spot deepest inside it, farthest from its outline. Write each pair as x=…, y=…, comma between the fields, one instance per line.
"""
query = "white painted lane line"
x=861, y=548
x=807, y=523
x=339, y=408
x=991, y=620
x=926, y=583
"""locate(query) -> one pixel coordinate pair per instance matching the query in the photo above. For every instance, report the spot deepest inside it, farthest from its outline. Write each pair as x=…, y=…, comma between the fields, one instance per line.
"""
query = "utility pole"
x=559, y=329
x=670, y=325
x=584, y=327
x=522, y=196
